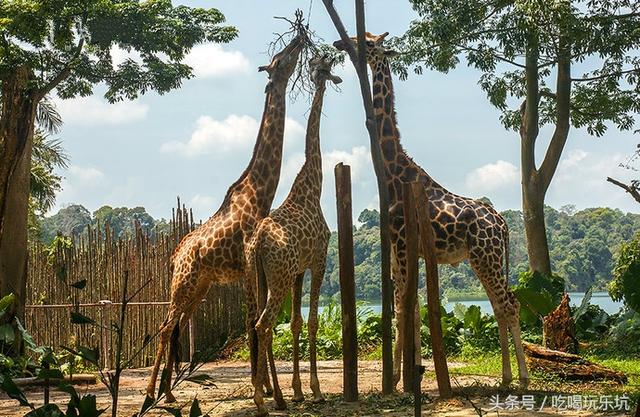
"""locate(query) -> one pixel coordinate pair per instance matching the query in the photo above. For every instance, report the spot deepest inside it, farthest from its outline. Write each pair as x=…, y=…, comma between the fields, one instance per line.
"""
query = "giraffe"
x=292, y=239
x=463, y=228
x=214, y=252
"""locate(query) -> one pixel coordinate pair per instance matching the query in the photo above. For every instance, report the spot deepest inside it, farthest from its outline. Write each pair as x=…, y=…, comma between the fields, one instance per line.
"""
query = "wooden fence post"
x=411, y=288
x=347, y=283
x=433, y=291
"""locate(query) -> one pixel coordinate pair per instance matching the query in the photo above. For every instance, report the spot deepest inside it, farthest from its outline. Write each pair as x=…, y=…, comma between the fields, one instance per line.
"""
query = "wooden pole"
x=192, y=338
x=411, y=287
x=359, y=63
x=347, y=283
x=427, y=242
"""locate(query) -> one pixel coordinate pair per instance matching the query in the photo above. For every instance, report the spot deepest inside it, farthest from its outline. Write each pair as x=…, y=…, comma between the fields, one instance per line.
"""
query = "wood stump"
x=559, y=329
x=568, y=365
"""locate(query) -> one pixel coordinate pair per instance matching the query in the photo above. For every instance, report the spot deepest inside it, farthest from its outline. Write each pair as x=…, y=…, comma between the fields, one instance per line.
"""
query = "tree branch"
x=611, y=74
x=64, y=73
x=563, y=114
x=635, y=193
x=497, y=56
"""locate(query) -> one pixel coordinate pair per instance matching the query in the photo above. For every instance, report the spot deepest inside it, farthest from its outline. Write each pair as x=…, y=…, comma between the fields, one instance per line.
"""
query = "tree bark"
x=635, y=192
x=535, y=182
x=17, y=119
x=359, y=63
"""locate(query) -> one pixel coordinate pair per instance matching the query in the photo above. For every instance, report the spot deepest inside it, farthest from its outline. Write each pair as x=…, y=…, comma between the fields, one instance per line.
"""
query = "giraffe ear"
x=263, y=68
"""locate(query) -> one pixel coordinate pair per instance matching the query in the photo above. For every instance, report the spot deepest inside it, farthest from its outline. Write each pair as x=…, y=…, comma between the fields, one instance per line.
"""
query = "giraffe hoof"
x=262, y=413
x=506, y=382
x=281, y=404
x=318, y=400
x=524, y=383
x=298, y=398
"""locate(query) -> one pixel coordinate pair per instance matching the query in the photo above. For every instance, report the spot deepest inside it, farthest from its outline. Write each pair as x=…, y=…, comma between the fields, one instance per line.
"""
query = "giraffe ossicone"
x=463, y=228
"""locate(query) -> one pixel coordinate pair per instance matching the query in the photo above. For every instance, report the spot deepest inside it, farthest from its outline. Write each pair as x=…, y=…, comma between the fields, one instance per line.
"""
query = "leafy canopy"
x=69, y=44
x=602, y=38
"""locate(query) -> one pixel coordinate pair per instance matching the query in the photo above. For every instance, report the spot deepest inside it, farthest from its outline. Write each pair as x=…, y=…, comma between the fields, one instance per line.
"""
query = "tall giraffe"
x=214, y=252
x=464, y=228
x=292, y=239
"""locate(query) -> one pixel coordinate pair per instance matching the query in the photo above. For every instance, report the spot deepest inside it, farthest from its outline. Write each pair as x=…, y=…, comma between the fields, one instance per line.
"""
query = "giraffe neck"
x=263, y=172
x=309, y=179
x=399, y=167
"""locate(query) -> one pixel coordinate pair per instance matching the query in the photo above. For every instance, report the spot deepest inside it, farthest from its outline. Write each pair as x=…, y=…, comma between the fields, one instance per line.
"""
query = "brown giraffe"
x=291, y=240
x=464, y=228
x=214, y=252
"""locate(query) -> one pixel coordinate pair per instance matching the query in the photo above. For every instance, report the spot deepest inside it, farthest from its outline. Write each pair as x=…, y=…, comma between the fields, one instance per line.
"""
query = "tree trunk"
x=17, y=120
x=535, y=229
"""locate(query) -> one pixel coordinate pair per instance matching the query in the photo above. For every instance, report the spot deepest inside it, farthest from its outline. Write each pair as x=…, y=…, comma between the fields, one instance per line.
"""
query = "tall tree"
x=65, y=46
x=569, y=63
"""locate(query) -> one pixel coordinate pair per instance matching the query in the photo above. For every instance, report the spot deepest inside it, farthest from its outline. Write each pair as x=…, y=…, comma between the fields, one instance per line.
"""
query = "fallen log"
x=73, y=379
x=568, y=365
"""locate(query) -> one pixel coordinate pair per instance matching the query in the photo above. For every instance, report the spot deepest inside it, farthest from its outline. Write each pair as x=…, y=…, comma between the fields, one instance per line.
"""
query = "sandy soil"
x=232, y=395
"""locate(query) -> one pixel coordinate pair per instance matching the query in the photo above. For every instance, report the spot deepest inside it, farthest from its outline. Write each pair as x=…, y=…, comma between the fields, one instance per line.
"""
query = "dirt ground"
x=232, y=395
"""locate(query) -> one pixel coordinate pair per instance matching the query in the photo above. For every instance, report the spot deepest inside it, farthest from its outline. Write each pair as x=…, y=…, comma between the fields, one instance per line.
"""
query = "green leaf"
x=48, y=410
x=12, y=390
x=7, y=335
x=195, y=409
x=148, y=402
x=5, y=302
x=80, y=284
x=50, y=374
x=584, y=305
x=88, y=407
x=77, y=318
x=69, y=389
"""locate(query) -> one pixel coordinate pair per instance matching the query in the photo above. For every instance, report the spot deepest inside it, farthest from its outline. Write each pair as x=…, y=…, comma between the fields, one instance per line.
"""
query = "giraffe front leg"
x=165, y=335
x=296, y=328
x=317, y=274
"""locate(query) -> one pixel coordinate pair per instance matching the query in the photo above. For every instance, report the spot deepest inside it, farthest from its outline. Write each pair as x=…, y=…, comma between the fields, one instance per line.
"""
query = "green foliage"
x=494, y=38
x=538, y=294
x=581, y=243
x=626, y=275
x=68, y=44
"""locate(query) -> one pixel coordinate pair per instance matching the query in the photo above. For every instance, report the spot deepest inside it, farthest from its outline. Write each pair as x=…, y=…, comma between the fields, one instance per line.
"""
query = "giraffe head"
x=376, y=52
x=320, y=67
x=284, y=62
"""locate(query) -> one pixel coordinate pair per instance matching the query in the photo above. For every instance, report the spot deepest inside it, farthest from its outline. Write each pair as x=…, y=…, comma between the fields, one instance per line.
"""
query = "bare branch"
x=603, y=76
x=635, y=192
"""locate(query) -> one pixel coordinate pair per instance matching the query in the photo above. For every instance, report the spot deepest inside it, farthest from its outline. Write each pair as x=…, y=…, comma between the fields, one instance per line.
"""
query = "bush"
x=539, y=294
x=625, y=284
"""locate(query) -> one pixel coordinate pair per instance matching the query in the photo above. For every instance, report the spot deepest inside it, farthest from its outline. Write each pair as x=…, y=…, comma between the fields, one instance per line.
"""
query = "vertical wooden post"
x=427, y=242
x=192, y=337
x=411, y=287
x=347, y=283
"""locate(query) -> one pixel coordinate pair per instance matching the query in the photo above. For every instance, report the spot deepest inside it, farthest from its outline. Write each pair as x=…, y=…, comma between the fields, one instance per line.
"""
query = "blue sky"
x=195, y=141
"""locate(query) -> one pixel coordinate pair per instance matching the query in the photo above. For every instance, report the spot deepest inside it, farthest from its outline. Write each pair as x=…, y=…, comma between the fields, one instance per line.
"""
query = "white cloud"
x=210, y=60
x=119, y=55
x=93, y=111
x=573, y=159
x=231, y=134
x=85, y=176
x=203, y=205
x=491, y=177
x=359, y=159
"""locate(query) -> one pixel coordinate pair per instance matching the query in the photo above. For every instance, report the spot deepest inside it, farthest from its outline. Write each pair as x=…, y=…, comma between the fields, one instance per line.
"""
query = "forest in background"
x=583, y=245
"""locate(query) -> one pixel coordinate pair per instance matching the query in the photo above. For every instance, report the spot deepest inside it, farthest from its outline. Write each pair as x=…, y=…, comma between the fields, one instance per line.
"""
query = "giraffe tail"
x=176, y=348
x=506, y=251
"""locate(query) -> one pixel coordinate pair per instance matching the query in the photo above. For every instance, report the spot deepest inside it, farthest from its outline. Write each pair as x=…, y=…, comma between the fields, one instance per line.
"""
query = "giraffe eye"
x=369, y=43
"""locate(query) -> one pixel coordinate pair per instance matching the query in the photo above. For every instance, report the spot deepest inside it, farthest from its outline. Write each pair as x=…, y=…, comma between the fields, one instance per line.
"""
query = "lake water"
x=600, y=299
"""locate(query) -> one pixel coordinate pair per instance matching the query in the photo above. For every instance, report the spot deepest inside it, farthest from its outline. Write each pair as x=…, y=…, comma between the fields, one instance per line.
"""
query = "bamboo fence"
x=101, y=258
